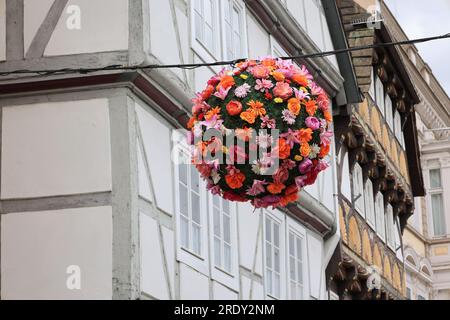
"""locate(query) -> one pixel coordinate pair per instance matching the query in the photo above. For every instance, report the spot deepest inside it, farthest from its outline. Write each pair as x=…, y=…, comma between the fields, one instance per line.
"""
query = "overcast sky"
x=421, y=19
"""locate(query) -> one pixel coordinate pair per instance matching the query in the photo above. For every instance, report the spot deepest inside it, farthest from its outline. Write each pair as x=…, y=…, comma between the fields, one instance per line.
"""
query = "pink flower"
x=323, y=102
x=315, y=89
x=265, y=202
x=282, y=90
x=214, y=189
x=288, y=164
x=312, y=122
x=242, y=91
x=325, y=137
x=300, y=181
x=222, y=93
x=260, y=71
x=212, y=123
x=291, y=138
x=257, y=188
x=288, y=117
x=237, y=154
x=281, y=175
x=322, y=165
x=305, y=166
x=300, y=94
x=268, y=123
x=263, y=85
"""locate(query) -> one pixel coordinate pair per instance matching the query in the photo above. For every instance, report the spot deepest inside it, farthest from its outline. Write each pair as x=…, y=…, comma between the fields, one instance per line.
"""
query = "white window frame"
x=240, y=5
x=372, y=86
x=369, y=204
x=433, y=191
x=202, y=51
x=398, y=128
x=299, y=231
x=275, y=48
x=390, y=227
x=389, y=112
x=279, y=218
x=358, y=189
x=197, y=261
x=379, y=93
x=218, y=273
x=380, y=216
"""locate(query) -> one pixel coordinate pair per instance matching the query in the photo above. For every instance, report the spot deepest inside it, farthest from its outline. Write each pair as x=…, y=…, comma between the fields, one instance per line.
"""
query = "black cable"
x=190, y=66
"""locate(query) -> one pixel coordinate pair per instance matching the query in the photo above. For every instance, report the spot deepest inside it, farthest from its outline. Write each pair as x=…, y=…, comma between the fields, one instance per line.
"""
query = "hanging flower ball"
x=271, y=124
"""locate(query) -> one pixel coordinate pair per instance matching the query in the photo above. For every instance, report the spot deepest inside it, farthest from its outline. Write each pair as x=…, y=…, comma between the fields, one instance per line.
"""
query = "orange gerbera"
x=299, y=79
x=271, y=63
x=327, y=116
x=249, y=115
x=226, y=82
x=324, y=150
x=311, y=107
x=305, y=135
x=284, y=150
x=191, y=122
x=294, y=106
x=279, y=76
x=235, y=181
x=212, y=112
x=290, y=195
x=275, y=188
x=305, y=149
x=257, y=107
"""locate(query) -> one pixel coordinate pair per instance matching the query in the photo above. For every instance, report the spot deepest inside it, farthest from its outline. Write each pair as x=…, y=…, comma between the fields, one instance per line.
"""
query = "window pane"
x=276, y=260
x=216, y=201
x=268, y=255
x=184, y=232
x=208, y=11
x=299, y=248
x=292, y=268
x=276, y=234
x=183, y=200
x=291, y=244
x=226, y=206
x=299, y=293
x=194, y=179
x=216, y=218
x=299, y=272
x=269, y=281
x=438, y=215
x=389, y=118
x=293, y=290
x=226, y=229
x=195, y=199
x=217, y=254
x=276, y=284
x=227, y=257
x=435, y=178
x=268, y=230
x=182, y=173
x=208, y=40
x=196, y=240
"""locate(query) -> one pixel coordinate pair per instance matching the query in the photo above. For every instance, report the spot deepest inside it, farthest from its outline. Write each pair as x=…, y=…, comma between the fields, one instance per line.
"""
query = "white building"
x=91, y=203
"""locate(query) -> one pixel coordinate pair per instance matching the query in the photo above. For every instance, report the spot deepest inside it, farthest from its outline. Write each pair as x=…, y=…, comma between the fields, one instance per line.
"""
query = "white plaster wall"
x=55, y=148
x=258, y=38
x=256, y=289
x=143, y=177
x=156, y=136
x=2, y=30
x=193, y=285
x=153, y=279
x=223, y=293
x=34, y=15
x=37, y=248
x=104, y=27
x=315, y=261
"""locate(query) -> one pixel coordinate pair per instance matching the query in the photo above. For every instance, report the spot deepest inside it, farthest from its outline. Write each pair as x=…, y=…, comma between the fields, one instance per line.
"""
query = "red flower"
x=234, y=108
x=229, y=195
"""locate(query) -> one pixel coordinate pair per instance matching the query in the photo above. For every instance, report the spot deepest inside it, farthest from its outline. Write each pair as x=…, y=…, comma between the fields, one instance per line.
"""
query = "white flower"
x=315, y=150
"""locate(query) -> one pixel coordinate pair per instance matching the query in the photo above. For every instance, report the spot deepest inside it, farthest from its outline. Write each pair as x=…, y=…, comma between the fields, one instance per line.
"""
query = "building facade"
x=92, y=205
x=426, y=236
x=378, y=163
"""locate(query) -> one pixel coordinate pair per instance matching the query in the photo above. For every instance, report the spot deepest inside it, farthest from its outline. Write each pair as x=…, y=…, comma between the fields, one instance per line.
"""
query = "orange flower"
x=234, y=108
x=305, y=135
x=271, y=63
x=294, y=106
x=191, y=123
x=278, y=76
x=225, y=82
x=275, y=188
x=324, y=150
x=284, y=150
x=212, y=112
x=290, y=195
x=207, y=92
x=327, y=116
x=257, y=107
x=235, y=181
x=249, y=116
x=311, y=107
x=299, y=79
x=305, y=149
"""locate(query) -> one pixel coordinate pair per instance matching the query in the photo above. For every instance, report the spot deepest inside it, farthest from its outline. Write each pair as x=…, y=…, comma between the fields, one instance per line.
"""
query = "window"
x=205, y=24
x=233, y=29
x=379, y=92
x=372, y=86
x=437, y=203
x=379, y=211
x=272, y=243
x=276, y=49
x=296, y=286
x=358, y=192
x=191, y=213
x=223, y=239
x=390, y=227
x=369, y=203
x=388, y=113
x=398, y=128
x=222, y=233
